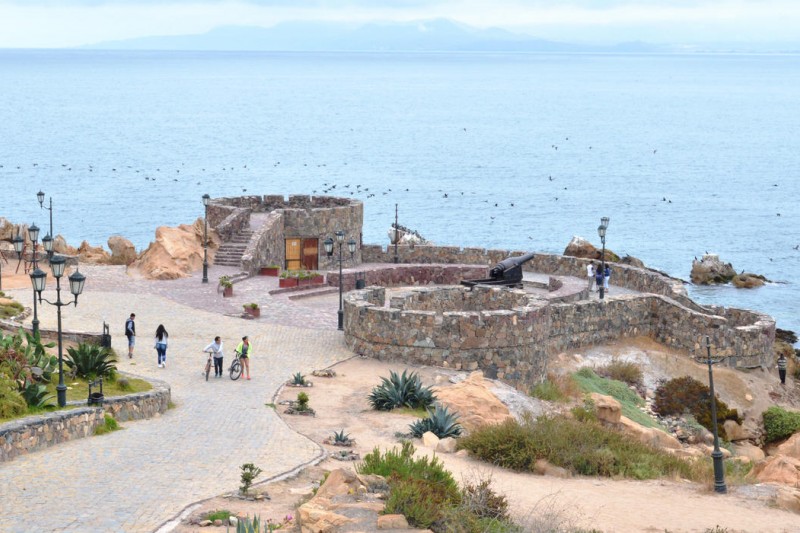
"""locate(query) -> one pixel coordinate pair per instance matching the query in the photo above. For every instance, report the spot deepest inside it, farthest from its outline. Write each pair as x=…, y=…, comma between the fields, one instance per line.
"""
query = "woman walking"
x=245, y=351
x=215, y=349
x=161, y=345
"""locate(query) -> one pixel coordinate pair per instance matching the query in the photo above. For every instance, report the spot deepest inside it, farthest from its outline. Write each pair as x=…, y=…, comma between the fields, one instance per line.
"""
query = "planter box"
x=287, y=282
x=305, y=282
x=269, y=271
x=318, y=280
x=227, y=292
x=255, y=313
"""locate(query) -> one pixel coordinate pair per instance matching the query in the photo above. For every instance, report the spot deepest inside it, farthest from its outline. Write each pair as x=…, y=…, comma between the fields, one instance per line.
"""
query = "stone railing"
x=33, y=433
x=266, y=247
x=13, y=324
x=396, y=275
x=227, y=221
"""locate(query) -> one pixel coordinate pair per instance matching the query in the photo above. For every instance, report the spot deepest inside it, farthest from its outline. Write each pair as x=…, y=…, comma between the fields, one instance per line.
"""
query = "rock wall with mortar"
x=397, y=275
x=32, y=433
x=267, y=246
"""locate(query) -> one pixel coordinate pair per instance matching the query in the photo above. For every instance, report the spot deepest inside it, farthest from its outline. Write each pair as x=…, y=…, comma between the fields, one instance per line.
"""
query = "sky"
x=66, y=23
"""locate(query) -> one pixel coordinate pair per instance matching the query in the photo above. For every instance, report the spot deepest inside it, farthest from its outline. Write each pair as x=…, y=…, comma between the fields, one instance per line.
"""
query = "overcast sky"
x=62, y=23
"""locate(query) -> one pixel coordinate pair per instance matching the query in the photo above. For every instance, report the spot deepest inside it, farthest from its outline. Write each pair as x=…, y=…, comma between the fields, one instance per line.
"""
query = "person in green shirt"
x=245, y=351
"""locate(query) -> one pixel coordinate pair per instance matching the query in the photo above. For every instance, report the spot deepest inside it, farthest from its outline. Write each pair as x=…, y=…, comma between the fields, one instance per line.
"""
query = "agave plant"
x=400, y=391
x=299, y=379
x=36, y=395
x=91, y=360
x=340, y=437
x=246, y=525
x=440, y=422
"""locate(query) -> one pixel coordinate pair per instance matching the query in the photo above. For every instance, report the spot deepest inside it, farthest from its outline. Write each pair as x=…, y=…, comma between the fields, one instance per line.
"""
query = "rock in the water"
x=405, y=235
x=747, y=280
x=632, y=261
x=710, y=270
x=123, y=252
x=580, y=247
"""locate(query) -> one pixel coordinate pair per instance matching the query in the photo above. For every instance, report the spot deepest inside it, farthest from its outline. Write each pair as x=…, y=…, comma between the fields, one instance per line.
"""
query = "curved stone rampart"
x=391, y=275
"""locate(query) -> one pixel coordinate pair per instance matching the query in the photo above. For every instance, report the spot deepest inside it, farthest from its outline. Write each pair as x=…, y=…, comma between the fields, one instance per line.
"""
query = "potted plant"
x=270, y=270
x=252, y=309
x=288, y=279
x=305, y=278
x=317, y=278
x=227, y=286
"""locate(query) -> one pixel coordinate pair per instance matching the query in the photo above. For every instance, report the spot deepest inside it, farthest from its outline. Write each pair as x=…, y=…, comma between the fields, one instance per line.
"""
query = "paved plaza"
x=138, y=478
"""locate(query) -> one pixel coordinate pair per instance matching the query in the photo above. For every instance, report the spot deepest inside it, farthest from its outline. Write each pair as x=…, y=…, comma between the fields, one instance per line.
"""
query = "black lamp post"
x=351, y=247
x=49, y=237
x=396, y=235
x=76, y=281
x=601, y=231
x=19, y=243
x=206, y=199
x=716, y=455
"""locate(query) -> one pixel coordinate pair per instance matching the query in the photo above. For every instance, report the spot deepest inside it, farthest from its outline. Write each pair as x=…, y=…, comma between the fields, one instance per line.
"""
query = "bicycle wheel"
x=208, y=369
x=236, y=370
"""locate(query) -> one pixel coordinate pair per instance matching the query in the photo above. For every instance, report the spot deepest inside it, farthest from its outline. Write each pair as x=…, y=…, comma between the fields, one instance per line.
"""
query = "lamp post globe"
x=19, y=244
x=206, y=200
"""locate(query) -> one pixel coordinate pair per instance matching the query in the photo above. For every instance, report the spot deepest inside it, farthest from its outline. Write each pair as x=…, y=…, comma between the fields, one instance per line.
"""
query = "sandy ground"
x=604, y=504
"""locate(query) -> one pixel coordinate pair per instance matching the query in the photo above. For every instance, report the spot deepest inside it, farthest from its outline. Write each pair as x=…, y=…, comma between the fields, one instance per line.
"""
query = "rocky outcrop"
x=580, y=247
x=746, y=280
x=607, y=408
x=750, y=451
x=632, y=261
x=790, y=447
x=176, y=252
x=93, y=254
x=60, y=246
x=778, y=469
x=123, y=252
x=9, y=230
x=475, y=403
x=651, y=436
x=710, y=270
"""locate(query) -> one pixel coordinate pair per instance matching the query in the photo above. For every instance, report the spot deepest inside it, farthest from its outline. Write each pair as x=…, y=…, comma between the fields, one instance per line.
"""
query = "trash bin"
x=105, y=338
x=96, y=398
x=360, y=282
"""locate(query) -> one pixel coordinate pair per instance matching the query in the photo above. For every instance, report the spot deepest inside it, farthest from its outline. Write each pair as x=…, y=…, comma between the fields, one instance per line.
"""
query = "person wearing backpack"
x=130, y=332
x=161, y=345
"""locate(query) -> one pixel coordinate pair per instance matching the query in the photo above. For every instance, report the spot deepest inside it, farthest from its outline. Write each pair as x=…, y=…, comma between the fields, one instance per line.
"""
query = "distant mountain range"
x=429, y=36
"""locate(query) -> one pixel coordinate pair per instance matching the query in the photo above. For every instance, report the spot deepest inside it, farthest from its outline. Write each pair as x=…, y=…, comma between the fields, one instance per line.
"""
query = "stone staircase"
x=230, y=252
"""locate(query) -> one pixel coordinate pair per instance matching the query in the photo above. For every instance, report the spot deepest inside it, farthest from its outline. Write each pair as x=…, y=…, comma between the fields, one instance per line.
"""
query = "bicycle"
x=208, y=365
x=235, y=371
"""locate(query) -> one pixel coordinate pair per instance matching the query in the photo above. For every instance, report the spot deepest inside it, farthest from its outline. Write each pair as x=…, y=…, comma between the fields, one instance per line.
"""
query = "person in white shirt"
x=215, y=349
x=590, y=274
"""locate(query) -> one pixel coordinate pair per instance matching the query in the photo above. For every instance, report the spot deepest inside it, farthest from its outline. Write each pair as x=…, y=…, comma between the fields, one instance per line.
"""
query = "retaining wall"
x=397, y=275
x=33, y=433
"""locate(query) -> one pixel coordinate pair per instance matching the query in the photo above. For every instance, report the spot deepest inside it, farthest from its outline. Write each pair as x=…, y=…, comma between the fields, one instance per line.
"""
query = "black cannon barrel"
x=501, y=268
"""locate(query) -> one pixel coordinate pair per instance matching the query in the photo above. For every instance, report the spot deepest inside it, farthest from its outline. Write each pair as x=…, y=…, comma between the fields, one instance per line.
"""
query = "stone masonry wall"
x=397, y=275
x=32, y=433
x=266, y=247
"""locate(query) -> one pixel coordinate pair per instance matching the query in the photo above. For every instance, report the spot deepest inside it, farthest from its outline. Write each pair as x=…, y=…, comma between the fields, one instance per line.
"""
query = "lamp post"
x=49, y=237
x=601, y=231
x=396, y=232
x=716, y=455
x=19, y=244
x=351, y=247
x=206, y=199
x=76, y=281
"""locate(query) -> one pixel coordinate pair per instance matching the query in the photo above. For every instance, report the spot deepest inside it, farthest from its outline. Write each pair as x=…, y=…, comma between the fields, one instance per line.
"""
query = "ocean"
x=685, y=153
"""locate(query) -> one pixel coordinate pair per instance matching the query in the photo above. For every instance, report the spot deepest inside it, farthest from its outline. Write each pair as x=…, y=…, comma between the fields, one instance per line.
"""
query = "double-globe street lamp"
x=47, y=241
x=601, y=231
x=19, y=245
x=716, y=455
x=351, y=247
x=206, y=199
x=76, y=281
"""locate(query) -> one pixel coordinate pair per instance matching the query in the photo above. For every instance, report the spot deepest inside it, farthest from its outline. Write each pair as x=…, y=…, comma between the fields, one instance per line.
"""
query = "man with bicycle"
x=215, y=349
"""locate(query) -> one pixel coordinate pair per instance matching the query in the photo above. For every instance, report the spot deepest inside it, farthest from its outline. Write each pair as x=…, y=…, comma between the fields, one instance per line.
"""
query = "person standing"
x=161, y=345
x=606, y=277
x=215, y=349
x=245, y=351
x=782, y=368
x=130, y=332
x=598, y=277
x=590, y=274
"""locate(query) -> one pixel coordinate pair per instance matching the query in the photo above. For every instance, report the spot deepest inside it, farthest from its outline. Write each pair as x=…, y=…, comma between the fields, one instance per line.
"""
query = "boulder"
x=748, y=280
x=708, y=450
x=8, y=230
x=543, y=468
x=606, y=408
x=580, y=247
x=60, y=246
x=790, y=447
x=748, y=450
x=778, y=469
x=447, y=445
x=475, y=403
x=632, y=261
x=93, y=254
x=392, y=521
x=710, y=270
x=735, y=431
x=788, y=500
x=123, y=252
x=652, y=436
x=429, y=440
x=176, y=252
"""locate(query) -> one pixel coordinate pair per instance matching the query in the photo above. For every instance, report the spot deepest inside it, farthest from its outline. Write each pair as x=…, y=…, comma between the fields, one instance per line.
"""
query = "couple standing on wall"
x=598, y=276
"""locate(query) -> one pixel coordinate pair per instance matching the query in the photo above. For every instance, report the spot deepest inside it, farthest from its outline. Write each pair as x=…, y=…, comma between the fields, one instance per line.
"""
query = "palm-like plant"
x=340, y=437
x=299, y=379
x=91, y=360
x=440, y=422
x=36, y=395
x=401, y=391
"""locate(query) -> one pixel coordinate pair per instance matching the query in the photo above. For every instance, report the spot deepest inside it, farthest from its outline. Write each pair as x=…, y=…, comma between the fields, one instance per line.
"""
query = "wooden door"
x=310, y=254
x=293, y=254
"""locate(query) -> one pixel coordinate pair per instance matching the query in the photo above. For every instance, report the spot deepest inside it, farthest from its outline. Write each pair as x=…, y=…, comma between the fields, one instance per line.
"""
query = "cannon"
x=506, y=273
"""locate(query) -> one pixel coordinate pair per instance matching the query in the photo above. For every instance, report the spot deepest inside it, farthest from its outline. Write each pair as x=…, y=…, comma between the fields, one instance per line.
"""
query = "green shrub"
x=547, y=391
x=223, y=515
x=91, y=361
x=625, y=371
x=420, y=501
x=36, y=396
x=585, y=412
x=686, y=394
x=12, y=404
x=400, y=391
x=109, y=425
x=629, y=400
x=440, y=422
x=480, y=500
x=11, y=309
x=780, y=423
x=249, y=473
x=585, y=448
x=302, y=402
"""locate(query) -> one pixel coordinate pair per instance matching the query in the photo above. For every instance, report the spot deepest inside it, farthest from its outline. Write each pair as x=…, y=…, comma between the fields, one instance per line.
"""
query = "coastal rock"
x=736, y=432
x=785, y=335
x=788, y=500
x=9, y=230
x=606, y=408
x=93, y=254
x=651, y=436
x=123, y=252
x=176, y=252
x=747, y=280
x=60, y=246
x=790, y=447
x=710, y=270
x=580, y=247
x=475, y=403
x=750, y=451
x=632, y=261
x=778, y=469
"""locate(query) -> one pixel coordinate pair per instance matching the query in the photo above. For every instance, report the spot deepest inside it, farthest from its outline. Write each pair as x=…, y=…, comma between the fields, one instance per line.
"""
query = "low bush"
x=548, y=391
x=585, y=448
x=780, y=423
x=223, y=515
x=404, y=390
x=685, y=394
x=36, y=396
x=109, y=425
x=249, y=473
x=630, y=402
x=625, y=371
x=91, y=361
x=302, y=401
x=12, y=404
x=440, y=422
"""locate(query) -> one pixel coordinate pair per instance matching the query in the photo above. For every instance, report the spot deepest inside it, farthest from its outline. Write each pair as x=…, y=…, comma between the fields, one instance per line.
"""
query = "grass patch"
x=78, y=388
x=171, y=405
x=419, y=412
x=223, y=515
x=109, y=425
x=548, y=391
x=585, y=448
x=271, y=405
x=629, y=400
x=11, y=309
x=625, y=371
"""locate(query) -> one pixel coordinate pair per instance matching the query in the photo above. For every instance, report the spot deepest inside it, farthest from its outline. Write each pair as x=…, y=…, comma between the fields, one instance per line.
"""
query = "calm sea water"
x=685, y=153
